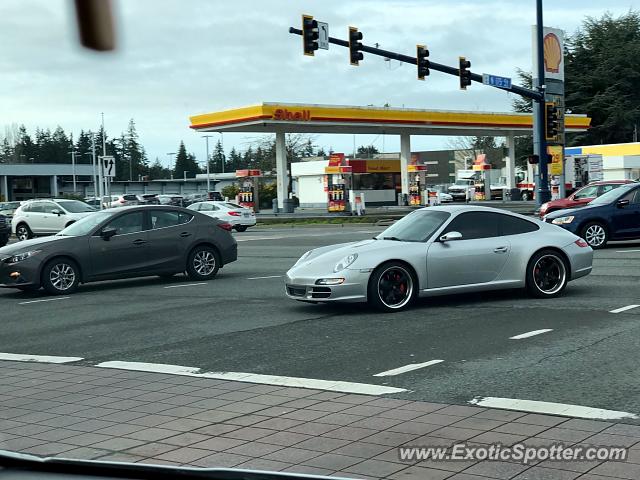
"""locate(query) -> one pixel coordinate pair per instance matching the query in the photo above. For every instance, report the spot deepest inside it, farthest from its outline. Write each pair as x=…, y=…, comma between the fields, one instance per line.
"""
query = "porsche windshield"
x=415, y=227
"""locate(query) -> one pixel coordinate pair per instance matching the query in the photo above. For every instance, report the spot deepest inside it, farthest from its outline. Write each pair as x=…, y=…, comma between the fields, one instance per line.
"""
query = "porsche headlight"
x=345, y=262
x=19, y=257
x=563, y=220
x=303, y=257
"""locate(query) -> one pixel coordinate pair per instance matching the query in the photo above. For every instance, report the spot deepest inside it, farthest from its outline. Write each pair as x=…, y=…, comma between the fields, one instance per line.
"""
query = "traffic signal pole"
x=524, y=92
x=540, y=142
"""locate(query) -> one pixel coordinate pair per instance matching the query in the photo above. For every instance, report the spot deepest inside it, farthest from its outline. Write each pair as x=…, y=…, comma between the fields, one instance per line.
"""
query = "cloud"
x=181, y=57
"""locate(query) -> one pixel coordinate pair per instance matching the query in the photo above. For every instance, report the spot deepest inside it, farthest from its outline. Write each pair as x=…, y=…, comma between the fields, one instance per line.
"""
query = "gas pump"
x=417, y=194
x=482, y=182
x=248, y=195
x=338, y=184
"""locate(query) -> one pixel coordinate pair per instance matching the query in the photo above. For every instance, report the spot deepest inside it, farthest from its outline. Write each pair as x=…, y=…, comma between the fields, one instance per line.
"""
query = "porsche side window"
x=474, y=225
x=514, y=225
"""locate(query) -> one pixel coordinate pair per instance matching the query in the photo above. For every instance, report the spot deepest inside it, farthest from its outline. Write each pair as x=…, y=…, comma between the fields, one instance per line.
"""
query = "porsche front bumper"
x=305, y=288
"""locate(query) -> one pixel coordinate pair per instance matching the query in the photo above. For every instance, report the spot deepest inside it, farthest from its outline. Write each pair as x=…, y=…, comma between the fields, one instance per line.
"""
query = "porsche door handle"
x=501, y=250
x=139, y=242
x=185, y=234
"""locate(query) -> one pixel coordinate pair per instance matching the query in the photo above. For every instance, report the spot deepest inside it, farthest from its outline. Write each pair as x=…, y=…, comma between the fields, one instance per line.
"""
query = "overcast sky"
x=176, y=58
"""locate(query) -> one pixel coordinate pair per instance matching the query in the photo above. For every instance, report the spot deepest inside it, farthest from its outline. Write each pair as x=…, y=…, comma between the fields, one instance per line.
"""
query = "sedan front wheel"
x=61, y=276
x=392, y=287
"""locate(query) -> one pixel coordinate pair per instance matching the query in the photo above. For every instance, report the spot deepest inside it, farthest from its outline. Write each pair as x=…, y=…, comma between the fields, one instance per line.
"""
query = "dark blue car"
x=612, y=216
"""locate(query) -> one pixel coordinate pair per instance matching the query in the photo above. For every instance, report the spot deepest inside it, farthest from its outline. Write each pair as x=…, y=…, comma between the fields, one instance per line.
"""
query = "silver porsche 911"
x=442, y=250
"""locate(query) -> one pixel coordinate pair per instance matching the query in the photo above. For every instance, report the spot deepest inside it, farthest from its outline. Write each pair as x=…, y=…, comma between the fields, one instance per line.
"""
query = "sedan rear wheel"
x=546, y=274
x=203, y=263
x=240, y=228
x=392, y=287
x=60, y=276
x=595, y=234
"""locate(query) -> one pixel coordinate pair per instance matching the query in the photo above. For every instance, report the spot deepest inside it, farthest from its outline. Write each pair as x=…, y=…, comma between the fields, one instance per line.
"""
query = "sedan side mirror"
x=107, y=233
x=447, y=237
x=56, y=212
x=622, y=203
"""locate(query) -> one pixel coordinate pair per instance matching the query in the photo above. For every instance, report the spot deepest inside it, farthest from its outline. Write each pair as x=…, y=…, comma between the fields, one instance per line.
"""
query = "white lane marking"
x=18, y=357
x=259, y=278
x=185, y=285
x=407, y=368
x=623, y=309
x=336, y=386
x=551, y=408
x=625, y=251
x=44, y=300
x=530, y=334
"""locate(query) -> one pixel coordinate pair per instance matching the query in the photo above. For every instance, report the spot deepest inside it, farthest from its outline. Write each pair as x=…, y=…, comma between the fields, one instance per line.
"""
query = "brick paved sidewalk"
x=97, y=413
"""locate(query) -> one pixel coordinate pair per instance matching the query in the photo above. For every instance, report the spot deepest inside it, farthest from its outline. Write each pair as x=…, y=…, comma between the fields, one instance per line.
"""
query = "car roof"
x=610, y=182
x=466, y=208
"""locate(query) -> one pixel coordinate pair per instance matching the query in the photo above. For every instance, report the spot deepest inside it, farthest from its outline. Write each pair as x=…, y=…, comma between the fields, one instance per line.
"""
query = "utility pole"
x=222, y=143
x=539, y=140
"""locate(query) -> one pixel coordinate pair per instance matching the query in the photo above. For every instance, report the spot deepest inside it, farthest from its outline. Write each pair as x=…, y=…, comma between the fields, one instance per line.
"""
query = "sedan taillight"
x=234, y=214
x=226, y=226
x=581, y=243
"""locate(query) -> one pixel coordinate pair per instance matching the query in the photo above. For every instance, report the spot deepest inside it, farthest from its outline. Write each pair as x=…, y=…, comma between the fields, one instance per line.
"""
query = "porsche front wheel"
x=392, y=287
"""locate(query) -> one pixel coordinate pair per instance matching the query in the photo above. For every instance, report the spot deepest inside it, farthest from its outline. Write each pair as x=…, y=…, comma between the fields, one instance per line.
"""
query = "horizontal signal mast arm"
x=525, y=92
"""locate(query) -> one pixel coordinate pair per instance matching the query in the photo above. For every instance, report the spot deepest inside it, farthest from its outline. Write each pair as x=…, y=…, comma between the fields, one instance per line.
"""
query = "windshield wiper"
x=396, y=239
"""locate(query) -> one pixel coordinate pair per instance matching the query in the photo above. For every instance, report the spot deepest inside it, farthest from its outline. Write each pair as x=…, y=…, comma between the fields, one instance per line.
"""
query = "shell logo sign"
x=552, y=53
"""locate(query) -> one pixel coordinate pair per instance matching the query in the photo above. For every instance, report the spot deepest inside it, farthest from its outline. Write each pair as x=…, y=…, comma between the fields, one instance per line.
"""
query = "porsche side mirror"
x=449, y=236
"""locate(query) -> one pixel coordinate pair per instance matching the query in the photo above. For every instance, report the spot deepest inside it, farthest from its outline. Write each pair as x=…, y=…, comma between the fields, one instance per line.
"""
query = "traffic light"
x=465, y=74
x=355, y=55
x=551, y=121
x=309, y=35
x=422, y=60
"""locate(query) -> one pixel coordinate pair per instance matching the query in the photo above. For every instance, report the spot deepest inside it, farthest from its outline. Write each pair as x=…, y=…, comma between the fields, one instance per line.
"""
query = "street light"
x=206, y=137
x=73, y=167
x=171, y=154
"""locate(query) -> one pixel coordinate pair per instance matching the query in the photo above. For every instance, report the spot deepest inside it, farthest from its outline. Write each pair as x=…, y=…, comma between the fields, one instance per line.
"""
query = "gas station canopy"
x=282, y=118
x=303, y=118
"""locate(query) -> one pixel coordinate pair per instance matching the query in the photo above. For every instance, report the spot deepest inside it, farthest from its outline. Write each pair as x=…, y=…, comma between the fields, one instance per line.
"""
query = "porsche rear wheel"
x=392, y=287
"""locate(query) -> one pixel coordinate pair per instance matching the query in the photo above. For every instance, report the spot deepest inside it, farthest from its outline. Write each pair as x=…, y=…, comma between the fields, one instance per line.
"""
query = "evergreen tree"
x=218, y=159
x=44, y=150
x=185, y=162
x=247, y=158
x=602, y=70
x=158, y=172
x=60, y=146
x=83, y=147
x=233, y=162
x=366, y=151
x=24, y=149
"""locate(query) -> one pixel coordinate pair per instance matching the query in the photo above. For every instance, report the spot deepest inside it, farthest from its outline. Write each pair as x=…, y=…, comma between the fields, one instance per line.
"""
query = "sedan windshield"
x=418, y=226
x=74, y=206
x=85, y=225
x=612, y=195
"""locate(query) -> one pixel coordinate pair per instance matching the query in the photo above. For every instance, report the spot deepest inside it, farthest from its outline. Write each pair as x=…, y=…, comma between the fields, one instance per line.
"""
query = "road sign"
x=496, y=81
x=109, y=167
x=323, y=35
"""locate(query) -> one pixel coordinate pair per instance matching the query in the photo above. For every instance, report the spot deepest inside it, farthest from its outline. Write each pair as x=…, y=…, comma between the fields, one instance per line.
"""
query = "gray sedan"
x=120, y=243
x=442, y=250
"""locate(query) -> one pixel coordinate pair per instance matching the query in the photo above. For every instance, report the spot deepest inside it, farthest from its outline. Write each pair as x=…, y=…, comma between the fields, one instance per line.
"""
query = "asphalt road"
x=242, y=322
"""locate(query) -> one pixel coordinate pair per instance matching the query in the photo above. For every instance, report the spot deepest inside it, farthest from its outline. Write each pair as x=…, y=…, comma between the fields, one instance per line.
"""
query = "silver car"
x=442, y=250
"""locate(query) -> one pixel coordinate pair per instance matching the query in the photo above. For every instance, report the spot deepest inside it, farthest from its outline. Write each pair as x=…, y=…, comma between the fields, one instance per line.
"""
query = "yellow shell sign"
x=552, y=53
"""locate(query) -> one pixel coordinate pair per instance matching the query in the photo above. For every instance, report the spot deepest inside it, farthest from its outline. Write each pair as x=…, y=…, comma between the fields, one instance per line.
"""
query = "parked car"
x=441, y=250
x=582, y=196
x=46, y=217
x=118, y=243
x=126, y=200
x=175, y=200
x=612, y=216
x=194, y=198
x=5, y=230
x=240, y=217
x=216, y=196
x=148, y=199
x=8, y=208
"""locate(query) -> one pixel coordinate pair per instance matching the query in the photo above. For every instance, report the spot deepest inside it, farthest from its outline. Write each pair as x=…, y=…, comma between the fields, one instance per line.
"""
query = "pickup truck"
x=5, y=230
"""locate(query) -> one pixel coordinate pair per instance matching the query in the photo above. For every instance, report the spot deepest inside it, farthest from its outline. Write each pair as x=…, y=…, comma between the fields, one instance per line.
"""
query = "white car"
x=240, y=217
x=47, y=217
